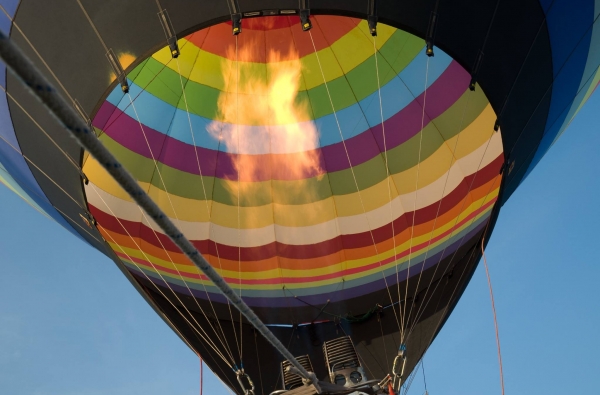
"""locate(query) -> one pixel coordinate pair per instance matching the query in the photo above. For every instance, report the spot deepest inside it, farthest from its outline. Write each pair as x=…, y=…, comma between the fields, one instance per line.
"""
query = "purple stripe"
x=441, y=95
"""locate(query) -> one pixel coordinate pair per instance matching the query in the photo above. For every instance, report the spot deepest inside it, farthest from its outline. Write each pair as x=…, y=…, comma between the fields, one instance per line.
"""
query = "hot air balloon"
x=339, y=163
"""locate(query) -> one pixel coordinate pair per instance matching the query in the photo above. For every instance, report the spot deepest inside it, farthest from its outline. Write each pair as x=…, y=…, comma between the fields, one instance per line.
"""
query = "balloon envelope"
x=340, y=183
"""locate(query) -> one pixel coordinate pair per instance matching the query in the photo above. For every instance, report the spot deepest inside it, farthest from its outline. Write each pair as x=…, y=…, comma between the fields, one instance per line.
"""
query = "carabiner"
x=241, y=374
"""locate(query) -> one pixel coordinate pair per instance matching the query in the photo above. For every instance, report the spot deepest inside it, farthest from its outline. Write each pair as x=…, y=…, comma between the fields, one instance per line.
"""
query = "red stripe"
x=337, y=274
x=280, y=34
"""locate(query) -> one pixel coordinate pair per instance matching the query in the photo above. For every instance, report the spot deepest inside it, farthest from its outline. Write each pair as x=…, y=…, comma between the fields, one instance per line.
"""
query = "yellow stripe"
x=347, y=264
x=374, y=197
x=206, y=68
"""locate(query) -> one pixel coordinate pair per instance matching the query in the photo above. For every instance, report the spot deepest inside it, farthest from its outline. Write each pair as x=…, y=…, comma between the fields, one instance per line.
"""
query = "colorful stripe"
x=348, y=217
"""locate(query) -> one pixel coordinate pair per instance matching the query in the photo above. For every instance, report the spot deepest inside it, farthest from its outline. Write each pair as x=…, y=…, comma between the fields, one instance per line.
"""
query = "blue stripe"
x=396, y=95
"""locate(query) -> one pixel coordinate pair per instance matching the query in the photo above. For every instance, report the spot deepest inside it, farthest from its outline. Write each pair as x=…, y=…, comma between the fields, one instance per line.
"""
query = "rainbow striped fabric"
x=298, y=161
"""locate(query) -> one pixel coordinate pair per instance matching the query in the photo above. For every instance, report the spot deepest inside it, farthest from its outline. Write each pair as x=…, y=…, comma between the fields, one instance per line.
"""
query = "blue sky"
x=70, y=322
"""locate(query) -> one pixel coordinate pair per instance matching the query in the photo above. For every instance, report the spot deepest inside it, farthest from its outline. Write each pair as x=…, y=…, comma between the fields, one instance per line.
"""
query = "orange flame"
x=259, y=113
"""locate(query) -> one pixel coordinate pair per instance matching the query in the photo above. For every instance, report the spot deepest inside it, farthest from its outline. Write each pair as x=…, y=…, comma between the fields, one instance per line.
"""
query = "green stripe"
x=345, y=91
x=400, y=158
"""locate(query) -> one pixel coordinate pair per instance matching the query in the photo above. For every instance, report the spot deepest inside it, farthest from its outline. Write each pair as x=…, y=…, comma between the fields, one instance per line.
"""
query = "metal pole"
x=41, y=88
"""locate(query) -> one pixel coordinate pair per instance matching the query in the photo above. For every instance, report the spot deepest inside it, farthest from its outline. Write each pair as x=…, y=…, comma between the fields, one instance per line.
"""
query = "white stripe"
x=320, y=232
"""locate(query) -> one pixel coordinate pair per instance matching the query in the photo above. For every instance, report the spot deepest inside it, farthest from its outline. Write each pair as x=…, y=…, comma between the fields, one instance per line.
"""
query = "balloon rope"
x=87, y=16
x=67, y=156
x=456, y=222
x=458, y=282
x=388, y=177
x=201, y=375
x=334, y=206
x=414, y=213
x=489, y=281
x=228, y=352
x=175, y=214
x=208, y=213
x=162, y=181
x=75, y=201
x=452, y=161
x=455, y=227
x=40, y=87
x=203, y=335
x=239, y=241
x=258, y=362
x=156, y=167
x=76, y=223
x=350, y=164
x=424, y=378
x=57, y=185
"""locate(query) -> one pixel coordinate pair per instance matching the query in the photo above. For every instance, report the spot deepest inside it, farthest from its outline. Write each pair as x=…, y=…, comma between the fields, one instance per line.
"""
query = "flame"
x=260, y=113
x=126, y=60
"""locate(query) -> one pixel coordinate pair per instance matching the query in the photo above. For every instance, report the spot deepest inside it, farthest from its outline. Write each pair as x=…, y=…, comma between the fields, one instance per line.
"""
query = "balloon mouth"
x=310, y=161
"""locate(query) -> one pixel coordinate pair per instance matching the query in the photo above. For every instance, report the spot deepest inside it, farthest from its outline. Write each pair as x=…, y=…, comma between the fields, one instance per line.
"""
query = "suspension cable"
x=208, y=211
x=239, y=241
x=388, y=177
x=341, y=252
x=351, y=168
x=452, y=160
x=72, y=162
x=154, y=160
x=204, y=335
x=424, y=378
x=201, y=374
x=458, y=282
x=39, y=86
x=455, y=227
x=414, y=213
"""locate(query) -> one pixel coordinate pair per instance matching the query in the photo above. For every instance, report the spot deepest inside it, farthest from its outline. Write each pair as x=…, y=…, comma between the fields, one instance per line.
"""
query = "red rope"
x=487, y=272
x=201, y=374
